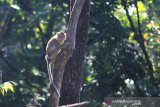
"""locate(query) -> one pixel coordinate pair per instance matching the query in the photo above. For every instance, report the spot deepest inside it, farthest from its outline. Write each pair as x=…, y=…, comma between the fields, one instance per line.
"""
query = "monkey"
x=53, y=48
x=55, y=44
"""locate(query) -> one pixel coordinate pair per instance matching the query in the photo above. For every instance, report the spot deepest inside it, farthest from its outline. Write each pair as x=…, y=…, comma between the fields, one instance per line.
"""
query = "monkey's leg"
x=50, y=72
x=49, y=69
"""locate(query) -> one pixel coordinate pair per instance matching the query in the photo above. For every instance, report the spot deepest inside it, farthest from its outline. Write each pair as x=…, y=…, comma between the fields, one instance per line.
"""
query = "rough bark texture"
x=70, y=91
x=64, y=55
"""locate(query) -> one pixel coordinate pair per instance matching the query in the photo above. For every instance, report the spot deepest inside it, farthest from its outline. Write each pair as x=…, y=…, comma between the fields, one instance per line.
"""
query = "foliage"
x=23, y=47
x=115, y=64
x=7, y=86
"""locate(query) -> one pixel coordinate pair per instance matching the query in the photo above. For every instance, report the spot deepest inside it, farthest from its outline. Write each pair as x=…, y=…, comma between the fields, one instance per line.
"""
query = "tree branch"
x=139, y=37
x=77, y=104
x=73, y=22
x=141, y=42
x=150, y=66
x=71, y=85
x=124, y=4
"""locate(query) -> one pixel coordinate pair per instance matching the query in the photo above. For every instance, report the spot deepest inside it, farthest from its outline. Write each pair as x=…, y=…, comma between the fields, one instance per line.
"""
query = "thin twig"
x=150, y=66
x=77, y=104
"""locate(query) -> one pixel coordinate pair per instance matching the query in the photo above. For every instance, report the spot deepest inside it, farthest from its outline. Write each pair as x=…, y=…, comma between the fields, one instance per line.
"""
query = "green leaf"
x=89, y=78
x=2, y=91
x=8, y=86
x=1, y=85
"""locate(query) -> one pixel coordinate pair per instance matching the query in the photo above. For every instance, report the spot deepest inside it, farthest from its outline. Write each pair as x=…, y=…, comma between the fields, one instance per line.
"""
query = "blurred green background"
x=122, y=55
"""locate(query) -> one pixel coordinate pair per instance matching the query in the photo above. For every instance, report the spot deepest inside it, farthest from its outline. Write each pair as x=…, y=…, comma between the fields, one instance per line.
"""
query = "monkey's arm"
x=52, y=54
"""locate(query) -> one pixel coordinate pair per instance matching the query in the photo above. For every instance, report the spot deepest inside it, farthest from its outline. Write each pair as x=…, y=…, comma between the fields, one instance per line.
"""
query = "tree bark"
x=72, y=80
x=64, y=55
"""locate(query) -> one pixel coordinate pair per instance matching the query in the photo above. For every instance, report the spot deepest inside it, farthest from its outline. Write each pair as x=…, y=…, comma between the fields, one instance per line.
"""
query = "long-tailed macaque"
x=54, y=46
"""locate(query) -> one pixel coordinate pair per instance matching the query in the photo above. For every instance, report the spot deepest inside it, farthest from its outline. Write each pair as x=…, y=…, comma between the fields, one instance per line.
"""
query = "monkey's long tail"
x=51, y=79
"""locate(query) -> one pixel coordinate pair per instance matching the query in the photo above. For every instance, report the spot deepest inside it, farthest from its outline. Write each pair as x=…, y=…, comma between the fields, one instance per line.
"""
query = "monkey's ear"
x=57, y=33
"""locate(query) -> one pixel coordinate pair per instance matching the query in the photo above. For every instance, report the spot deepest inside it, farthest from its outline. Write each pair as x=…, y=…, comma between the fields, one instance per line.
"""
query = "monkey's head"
x=61, y=37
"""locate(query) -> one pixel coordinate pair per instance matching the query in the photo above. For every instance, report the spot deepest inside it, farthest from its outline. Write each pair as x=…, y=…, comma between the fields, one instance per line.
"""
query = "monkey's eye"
x=61, y=35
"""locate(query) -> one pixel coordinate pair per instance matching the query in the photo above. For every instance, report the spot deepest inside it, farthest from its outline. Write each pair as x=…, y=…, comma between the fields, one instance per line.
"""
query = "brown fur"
x=54, y=45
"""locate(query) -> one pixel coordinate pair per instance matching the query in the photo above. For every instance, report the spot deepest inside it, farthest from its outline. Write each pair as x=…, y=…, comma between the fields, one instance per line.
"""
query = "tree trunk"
x=72, y=79
x=65, y=53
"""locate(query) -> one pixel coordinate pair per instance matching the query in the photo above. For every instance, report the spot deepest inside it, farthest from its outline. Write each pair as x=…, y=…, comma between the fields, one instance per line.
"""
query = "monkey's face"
x=61, y=37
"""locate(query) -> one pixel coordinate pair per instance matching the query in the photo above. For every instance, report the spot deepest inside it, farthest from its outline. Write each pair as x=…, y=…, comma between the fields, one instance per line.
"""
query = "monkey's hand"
x=64, y=45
